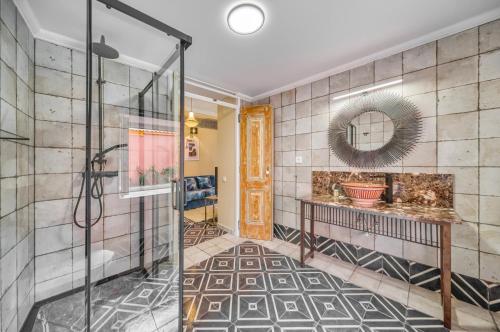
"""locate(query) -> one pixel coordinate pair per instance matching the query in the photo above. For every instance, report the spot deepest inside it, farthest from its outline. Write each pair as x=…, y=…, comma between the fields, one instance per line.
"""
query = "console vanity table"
x=423, y=225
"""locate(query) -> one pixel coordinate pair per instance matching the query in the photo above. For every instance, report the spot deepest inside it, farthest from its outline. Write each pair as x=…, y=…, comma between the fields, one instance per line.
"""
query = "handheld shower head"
x=111, y=148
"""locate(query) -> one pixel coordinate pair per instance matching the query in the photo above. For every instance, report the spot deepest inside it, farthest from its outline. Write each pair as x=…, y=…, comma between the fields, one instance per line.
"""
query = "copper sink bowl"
x=363, y=194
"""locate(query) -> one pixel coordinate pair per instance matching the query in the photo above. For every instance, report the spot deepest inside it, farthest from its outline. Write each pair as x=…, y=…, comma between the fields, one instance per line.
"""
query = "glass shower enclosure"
x=134, y=171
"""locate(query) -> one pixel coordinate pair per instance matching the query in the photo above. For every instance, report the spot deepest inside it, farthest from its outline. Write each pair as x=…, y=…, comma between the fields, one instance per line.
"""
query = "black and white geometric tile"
x=247, y=288
x=273, y=293
x=198, y=232
x=471, y=290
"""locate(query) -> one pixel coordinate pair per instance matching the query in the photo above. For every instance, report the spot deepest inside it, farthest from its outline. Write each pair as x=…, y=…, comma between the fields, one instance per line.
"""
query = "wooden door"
x=256, y=181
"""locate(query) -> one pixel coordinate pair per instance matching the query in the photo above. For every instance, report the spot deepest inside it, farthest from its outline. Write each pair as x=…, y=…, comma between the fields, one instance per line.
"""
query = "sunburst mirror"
x=375, y=130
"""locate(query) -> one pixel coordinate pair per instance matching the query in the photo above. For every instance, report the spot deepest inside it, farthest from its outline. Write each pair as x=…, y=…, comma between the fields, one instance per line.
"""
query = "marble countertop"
x=402, y=210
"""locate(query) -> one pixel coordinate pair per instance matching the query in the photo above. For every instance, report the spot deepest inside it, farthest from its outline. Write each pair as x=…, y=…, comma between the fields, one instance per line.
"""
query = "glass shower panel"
x=135, y=269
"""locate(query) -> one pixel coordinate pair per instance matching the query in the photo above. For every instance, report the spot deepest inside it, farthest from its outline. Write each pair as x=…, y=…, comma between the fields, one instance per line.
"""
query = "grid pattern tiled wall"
x=455, y=82
x=16, y=169
x=59, y=161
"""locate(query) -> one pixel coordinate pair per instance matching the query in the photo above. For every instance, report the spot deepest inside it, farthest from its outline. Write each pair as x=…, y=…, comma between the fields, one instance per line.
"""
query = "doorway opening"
x=211, y=163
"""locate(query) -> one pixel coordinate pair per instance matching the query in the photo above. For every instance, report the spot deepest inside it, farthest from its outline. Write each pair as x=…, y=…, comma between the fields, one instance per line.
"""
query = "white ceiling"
x=300, y=38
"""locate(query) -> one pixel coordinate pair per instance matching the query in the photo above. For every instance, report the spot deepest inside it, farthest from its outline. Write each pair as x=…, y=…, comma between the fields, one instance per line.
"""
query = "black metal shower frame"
x=185, y=41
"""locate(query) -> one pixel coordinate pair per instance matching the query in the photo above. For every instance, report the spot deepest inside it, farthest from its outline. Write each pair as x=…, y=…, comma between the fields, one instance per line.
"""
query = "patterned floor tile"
x=199, y=232
x=247, y=288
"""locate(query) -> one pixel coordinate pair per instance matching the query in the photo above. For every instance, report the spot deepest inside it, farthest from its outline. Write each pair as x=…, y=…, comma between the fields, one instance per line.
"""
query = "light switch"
x=224, y=179
x=298, y=159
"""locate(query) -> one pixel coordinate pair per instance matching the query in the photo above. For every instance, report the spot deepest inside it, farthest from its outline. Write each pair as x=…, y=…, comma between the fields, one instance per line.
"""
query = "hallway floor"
x=199, y=232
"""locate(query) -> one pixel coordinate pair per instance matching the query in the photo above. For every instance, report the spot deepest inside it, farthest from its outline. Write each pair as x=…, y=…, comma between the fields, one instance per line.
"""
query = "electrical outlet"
x=298, y=159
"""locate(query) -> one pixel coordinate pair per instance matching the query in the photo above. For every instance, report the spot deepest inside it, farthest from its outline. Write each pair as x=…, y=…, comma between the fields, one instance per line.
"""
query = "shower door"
x=135, y=269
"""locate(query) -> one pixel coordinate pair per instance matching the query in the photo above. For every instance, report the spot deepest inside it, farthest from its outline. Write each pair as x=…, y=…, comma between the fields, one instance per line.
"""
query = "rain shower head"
x=103, y=50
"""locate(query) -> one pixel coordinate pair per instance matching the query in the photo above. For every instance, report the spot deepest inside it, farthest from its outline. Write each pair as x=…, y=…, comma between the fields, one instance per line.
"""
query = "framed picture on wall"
x=192, y=149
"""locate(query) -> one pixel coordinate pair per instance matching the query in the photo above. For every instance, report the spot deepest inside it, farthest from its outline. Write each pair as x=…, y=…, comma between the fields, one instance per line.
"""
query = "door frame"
x=236, y=107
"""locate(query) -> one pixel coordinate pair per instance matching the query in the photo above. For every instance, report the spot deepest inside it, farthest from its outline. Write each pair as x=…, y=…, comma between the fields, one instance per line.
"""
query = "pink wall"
x=150, y=148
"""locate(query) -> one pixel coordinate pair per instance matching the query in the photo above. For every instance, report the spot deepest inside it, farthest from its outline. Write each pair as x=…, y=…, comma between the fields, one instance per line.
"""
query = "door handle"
x=267, y=171
x=173, y=192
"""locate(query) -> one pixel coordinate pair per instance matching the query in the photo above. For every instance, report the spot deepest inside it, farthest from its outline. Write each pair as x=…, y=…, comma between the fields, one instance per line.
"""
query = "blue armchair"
x=196, y=188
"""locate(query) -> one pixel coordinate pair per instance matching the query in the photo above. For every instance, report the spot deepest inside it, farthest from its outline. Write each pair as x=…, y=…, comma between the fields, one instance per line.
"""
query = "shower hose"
x=96, y=190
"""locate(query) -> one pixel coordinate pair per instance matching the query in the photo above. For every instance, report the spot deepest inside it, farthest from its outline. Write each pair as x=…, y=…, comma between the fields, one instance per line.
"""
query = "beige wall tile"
x=303, y=126
x=321, y=87
x=340, y=233
x=419, y=57
x=319, y=140
x=51, y=239
x=52, y=160
x=303, y=109
x=275, y=100
x=467, y=207
x=458, y=46
x=489, y=209
x=428, y=129
x=418, y=82
x=303, y=93
x=420, y=253
x=320, y=122
x=489, y=152
x=490, y=239
x=288, y=143
x=53, y=186
x=339, y=82
x=465, y=235
x=278, y=173
x=289, y=219
x=289, y=189
x=389, y=245
x=489, y=66
x=424, y=154
x=289, y=158
x=320, y=105
x=426, y=103
x=489, y=92
x=456, y=73
x=303, y=142
x=465, y=261
x=337, y=105
x=388, y=67
x=288, y=97
x=489, y=181
x=363, y=239
x=320, y=157
x=362, y=75
x=52, y=108
x=489, y=268
x=288, y=128
x=52, y=56
x=458, y=126
x=457, y=153
x=458, y=100
x=288, y=113
x=489, y=123
x=44, y=134
x=304, y=174
x=52, y=82
x=289, y=173
x=489, y=36
x=304, y=189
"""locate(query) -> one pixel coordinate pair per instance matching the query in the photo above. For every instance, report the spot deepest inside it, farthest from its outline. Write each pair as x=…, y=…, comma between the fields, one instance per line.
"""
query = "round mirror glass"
x=370, y=131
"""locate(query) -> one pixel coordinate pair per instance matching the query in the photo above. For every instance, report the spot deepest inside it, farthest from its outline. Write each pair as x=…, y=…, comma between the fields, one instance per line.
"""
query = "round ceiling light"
x=245, y=19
